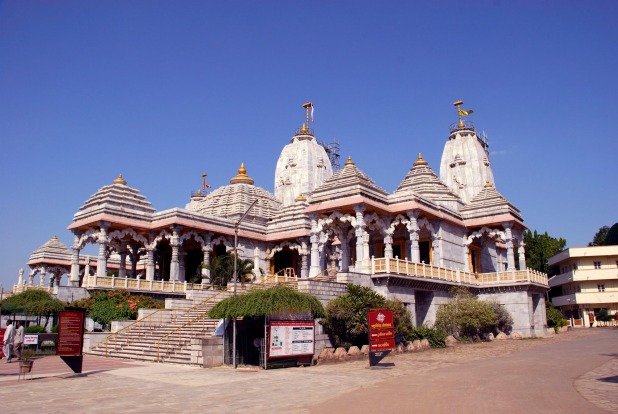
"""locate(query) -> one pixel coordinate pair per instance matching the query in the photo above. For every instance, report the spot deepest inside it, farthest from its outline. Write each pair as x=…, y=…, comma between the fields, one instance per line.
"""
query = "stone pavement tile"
x=600, y=386
x=154, y=388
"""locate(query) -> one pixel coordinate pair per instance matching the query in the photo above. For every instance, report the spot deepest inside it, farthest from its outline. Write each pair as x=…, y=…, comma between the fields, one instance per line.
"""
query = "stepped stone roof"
x=489, y=203
x=118, y=199
x=53, y=252
x=349, y=181
x=423, y=182
x=233, y=200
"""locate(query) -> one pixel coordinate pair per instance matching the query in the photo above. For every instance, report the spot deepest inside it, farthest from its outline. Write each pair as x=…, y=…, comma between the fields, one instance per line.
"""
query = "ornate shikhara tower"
x=465, y=166
x=302, y=166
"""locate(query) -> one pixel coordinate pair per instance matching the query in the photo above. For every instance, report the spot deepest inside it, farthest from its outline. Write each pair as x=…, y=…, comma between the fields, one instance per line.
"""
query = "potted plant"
x=26, y=361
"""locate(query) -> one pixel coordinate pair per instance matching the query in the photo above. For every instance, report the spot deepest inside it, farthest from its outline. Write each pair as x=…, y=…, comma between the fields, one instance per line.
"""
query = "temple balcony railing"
x=397, y=266
x=22, y=288
x=138, y=285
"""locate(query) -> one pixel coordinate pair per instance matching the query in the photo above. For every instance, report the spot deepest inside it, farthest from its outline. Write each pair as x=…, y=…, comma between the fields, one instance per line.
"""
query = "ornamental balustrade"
x=398, y=266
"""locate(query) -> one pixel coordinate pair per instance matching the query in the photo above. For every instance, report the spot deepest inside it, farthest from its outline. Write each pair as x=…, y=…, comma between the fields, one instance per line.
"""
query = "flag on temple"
x=464, y=112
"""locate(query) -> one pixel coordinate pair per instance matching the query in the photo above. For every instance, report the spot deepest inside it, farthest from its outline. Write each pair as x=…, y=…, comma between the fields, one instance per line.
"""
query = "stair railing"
x=190, y=324
x=150, y=321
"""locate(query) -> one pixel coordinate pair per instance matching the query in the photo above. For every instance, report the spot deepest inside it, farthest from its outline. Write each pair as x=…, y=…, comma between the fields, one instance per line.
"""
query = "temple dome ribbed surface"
x=349, y=181
x=52, y=251
x=117, y=198
x=302, y=167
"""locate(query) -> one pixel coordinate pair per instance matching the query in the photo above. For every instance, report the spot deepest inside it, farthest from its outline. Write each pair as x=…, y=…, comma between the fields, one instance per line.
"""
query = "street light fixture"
x=236, y=277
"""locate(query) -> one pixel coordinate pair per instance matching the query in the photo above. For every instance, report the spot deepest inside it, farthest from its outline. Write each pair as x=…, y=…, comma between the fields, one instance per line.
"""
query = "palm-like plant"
x=222, y=270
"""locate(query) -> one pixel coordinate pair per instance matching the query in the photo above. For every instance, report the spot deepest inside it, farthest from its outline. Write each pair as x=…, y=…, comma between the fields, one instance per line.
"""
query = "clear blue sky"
x=162, y=91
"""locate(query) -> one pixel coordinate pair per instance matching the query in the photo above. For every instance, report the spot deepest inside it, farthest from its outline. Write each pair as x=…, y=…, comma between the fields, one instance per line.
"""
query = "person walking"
x=18, y=342
x=9, y=335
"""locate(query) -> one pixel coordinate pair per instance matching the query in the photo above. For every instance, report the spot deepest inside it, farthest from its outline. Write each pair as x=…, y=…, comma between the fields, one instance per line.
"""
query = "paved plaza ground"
x=575, y=372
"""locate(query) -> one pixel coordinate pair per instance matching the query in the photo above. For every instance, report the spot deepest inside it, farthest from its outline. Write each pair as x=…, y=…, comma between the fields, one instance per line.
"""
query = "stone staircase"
x=171, y=335
x=174, y=334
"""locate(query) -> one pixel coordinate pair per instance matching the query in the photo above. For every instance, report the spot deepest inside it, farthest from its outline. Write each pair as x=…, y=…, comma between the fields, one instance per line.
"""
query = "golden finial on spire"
x=54, y=237
x=242, y=177
x=461, y=112
x=419, y=160
x=488, y=184
x=349, y=162
x=120, y=180
x=300, y=197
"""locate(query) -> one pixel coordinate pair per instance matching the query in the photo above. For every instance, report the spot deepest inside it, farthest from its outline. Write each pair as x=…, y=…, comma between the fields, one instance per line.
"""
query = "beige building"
x=588, y=281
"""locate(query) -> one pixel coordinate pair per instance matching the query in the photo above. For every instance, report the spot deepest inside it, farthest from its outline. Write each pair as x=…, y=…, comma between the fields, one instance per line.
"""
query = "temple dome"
x=302, y=167
x=465, y=166
x=233, y=200
x=52, y=252
x=118, y=199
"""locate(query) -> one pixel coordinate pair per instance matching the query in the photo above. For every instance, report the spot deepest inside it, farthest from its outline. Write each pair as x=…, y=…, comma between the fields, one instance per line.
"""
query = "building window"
x=597, y=265
x=601, y=288
x=579, y=288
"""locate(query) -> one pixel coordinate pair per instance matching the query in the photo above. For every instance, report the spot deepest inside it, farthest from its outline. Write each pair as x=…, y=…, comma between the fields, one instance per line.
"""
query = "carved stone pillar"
x=182, y=260
x=43, y=272
x=175, y=244
x=315, y=250
x=345, y=254
x=20, y=280
x=31, y=277
x=359, y=232
x=522, y=254
x=304, y=266
x=366, y=268
x=205, y=263
x=86, y=270
x=150, y=264
x=267, y=264
x=388, y=246
x=102, y=257
x=435, y=248
x=122, y=271
x=413, y=230
x=510, y=255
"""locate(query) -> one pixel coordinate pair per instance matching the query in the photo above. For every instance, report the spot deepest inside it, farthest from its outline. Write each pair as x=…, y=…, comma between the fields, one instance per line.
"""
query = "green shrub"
x=436, y=337
x=466, y=315
x=55, y=329
x=32, y=329
x=107, y=306
x=346, y=316
x=554, y=318
x=604, y=316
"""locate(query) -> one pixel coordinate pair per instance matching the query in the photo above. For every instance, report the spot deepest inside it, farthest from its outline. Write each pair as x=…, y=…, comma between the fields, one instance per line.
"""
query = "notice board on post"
x=71, y=338
x=291, y=339
x=381, y=334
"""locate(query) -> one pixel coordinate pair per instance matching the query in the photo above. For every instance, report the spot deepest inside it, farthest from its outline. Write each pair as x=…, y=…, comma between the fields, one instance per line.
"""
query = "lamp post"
x=236, y=277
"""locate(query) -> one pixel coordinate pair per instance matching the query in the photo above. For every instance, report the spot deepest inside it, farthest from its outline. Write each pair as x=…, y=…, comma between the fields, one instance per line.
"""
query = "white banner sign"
x=291, y=338
x=31, y=339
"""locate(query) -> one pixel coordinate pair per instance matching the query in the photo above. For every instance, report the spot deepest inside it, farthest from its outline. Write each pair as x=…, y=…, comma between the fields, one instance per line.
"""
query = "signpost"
x=381, y=334
x=71, y=338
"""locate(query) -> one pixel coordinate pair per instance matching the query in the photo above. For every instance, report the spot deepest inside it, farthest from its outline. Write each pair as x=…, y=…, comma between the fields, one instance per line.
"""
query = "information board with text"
x=291, y=338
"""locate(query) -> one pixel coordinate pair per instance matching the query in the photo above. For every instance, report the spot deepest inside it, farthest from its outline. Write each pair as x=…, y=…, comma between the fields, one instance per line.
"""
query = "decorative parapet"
x=421, y=270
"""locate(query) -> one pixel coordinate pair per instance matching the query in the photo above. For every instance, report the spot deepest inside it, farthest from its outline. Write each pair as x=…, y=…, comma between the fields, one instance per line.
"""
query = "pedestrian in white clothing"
x=9, y=335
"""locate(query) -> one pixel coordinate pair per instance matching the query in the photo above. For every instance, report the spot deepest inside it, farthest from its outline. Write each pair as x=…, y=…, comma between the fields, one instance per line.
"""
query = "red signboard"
x=382, y=334
x=2, y=342
x=382, y=345
x=70, y=333
x=380, y=319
